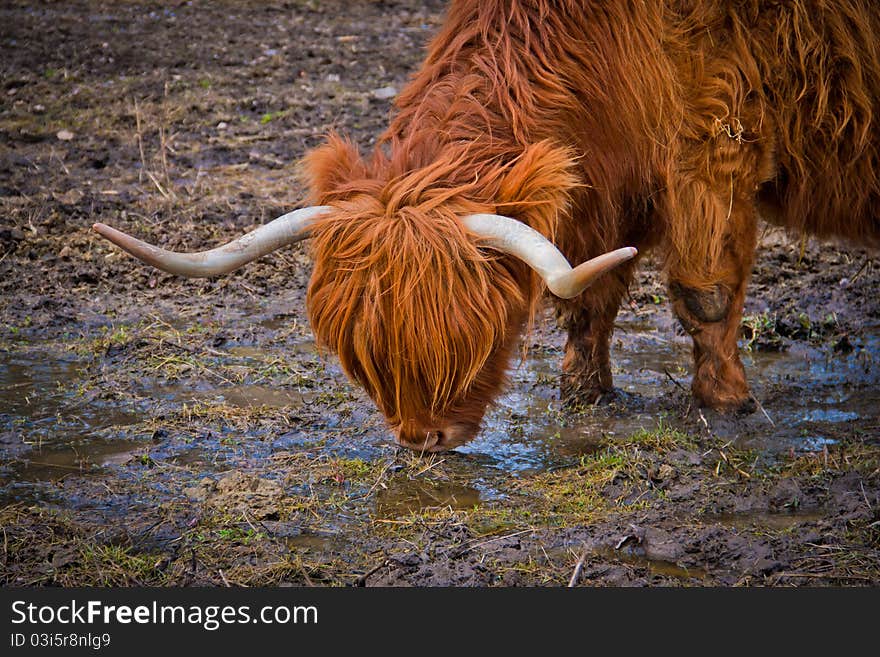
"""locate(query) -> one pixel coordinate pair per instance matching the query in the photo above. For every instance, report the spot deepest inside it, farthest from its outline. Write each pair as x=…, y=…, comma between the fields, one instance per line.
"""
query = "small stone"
x=665, y=472
x=202, y=490
x=64, y=135
x=222, y=125
x=11, y=234
x=70, y=197
x=39, y=109
x=238, y=492
x=64, y=253
x=384, y=93
x=64, y=556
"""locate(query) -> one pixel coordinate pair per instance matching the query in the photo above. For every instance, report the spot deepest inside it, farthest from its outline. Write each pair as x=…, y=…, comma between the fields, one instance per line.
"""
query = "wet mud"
x=168, y=432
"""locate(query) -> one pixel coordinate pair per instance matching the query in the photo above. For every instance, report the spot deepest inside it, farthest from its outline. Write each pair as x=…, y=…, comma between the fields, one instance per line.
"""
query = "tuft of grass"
x=268, y=117
x=842, y=457
x=112, y=565
x=760, y=333
x=662, y=438
x=239, y=534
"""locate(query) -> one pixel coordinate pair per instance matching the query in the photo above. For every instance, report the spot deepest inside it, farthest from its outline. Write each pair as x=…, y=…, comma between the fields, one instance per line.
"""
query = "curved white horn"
x=527, y=244
x=286, y=229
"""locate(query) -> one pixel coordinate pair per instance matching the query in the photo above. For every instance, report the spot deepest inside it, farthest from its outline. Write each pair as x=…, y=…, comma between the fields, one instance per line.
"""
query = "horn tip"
x=108, y=232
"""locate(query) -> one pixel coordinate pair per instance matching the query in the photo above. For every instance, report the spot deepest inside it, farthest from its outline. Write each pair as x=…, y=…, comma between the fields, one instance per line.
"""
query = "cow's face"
x=418, y=316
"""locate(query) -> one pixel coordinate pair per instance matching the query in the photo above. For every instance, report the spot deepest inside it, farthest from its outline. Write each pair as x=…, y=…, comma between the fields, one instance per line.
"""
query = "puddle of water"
x=32, y=384
x=814, y=443
x=308, y=541
x=278, y=322
x=526, y=433
x=777, y=521
x=808, y=366
x=410, y=496
x=49, y=429
x=247, y=352
x=51, y=462
x=241, y=396
x=828, y=415
x=635, y=556
x=25, y=479
x=302, y=348
x=203, y=457
x=38, y=386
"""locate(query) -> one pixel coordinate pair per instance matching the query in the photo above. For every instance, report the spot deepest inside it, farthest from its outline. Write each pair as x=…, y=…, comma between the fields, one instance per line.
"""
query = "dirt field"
x=158, y=431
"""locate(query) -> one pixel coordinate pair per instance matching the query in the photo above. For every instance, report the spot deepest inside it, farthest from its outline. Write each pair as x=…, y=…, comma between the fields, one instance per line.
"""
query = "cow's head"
x=411, y=286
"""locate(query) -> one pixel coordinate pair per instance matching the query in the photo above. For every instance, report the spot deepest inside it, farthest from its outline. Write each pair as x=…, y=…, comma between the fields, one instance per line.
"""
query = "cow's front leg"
x=712, y=318
x=589, y=320
x=709, y=307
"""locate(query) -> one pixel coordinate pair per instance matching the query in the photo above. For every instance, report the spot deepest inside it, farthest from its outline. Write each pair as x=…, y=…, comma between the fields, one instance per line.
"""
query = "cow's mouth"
x=436, y=440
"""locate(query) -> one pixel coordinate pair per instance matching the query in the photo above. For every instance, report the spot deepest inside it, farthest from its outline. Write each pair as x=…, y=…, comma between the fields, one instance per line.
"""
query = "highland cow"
x=590, y=126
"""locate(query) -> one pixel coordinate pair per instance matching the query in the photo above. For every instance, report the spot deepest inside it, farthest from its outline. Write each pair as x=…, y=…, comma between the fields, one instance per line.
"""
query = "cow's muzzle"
x=429, y=441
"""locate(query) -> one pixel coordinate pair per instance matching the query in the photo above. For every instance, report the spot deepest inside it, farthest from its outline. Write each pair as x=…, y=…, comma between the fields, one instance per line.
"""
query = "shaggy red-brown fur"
x=600, y=124
x=421, y=316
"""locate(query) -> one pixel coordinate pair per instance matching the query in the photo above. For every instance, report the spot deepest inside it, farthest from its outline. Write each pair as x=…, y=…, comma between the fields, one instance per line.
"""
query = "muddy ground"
x=168, y=432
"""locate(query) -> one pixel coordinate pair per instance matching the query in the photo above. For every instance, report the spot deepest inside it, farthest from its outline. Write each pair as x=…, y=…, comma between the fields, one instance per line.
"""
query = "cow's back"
x=800, y=81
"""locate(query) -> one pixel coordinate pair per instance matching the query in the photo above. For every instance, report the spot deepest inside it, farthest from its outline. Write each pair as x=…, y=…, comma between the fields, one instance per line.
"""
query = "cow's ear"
x=331, y=167
x=538, y=184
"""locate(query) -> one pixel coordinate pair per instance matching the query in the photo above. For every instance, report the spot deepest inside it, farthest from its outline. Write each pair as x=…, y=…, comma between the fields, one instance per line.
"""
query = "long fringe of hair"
x=417, y=312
